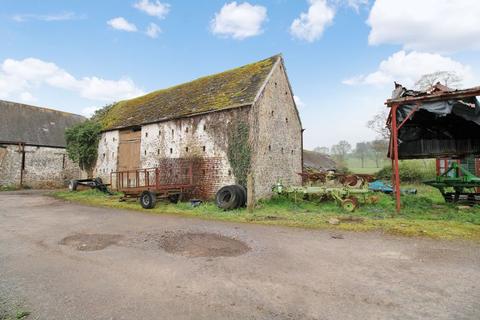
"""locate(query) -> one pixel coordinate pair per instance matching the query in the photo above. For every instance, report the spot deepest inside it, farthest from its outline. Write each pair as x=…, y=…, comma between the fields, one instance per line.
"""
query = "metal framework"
x=162, y=182
x=394, y=104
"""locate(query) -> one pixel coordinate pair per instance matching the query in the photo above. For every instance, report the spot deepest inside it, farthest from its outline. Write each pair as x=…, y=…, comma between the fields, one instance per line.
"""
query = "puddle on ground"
x=91, y=242
x=202, y=245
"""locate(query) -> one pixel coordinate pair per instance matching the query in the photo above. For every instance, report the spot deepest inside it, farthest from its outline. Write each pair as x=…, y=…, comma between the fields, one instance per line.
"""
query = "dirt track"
x=67, y=261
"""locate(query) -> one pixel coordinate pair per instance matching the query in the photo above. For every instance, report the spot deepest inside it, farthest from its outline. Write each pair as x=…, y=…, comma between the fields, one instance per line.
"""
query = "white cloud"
x=47, y=17
x=426, y=25
x=154, y=8
x=356, y=4
x=153, y=30
x=310, y=26
x=406, y=68
x=89, y=111
x=121, y=23
x=18, y=76
x=300, y=104
x=239, y=21
x=27, y=97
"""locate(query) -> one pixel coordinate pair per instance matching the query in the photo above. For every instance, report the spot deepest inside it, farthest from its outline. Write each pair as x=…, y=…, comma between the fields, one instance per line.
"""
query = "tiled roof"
x=229, y=89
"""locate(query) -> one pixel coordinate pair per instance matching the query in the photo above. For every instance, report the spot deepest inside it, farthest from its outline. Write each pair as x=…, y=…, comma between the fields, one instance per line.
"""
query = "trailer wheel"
x=349, y=205
x=72, y=185
x=174, y=198
x=148, y=200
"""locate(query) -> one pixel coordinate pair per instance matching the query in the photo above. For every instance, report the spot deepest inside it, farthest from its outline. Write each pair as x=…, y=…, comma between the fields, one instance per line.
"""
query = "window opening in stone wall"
x=146, y=134
x=203, y=171
x=282, y=150
x=269, y=148
x=63, y=161
x=173, y=133
x=292, y=152
x=145, y=152
x=229, y=172
x=272, y=112
x=204, y=127
x=186, y=129
x=158, y=151
x=186, y=149
x=275, y=84
x=286, y=120
x=103, y=156
x=171, y=150
x=204, y=148
x=159, y=132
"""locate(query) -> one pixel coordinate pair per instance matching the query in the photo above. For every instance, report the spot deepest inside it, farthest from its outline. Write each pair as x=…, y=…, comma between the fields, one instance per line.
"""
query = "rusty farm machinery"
x=345, y=189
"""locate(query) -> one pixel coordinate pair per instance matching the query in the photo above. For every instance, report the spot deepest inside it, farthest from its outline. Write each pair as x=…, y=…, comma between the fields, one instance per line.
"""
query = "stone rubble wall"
x=276, y=136
x=45, y=167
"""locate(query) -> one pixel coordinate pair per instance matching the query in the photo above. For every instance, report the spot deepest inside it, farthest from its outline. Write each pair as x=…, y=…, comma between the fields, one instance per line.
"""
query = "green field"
x=424, y=214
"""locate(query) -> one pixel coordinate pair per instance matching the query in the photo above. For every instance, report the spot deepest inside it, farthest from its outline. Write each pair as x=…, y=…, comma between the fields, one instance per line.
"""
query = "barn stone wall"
x=276, y=136
x=198, y=137
x=107, y=155
x=45, y=167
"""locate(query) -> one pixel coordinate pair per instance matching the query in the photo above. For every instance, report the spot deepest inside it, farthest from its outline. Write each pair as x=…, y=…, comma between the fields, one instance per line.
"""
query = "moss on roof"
x=224, y=90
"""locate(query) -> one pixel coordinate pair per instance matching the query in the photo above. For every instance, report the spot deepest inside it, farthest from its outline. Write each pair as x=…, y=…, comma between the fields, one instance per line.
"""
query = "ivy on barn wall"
x=239, y=151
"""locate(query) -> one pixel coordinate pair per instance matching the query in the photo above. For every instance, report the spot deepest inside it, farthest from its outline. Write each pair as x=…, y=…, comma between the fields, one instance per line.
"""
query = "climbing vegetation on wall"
x=239, y=151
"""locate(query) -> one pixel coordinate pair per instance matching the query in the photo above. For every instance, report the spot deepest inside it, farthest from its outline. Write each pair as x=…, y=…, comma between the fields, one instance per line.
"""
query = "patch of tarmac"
x=91, y=242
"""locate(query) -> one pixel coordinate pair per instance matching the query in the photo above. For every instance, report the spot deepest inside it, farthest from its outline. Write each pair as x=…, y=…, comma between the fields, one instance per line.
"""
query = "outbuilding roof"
x=233, y=88
x=21, y=123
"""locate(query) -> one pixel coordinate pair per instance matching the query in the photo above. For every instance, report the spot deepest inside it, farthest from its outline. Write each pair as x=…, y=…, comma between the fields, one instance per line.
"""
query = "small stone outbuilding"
x=236, y=122
x=32, y=146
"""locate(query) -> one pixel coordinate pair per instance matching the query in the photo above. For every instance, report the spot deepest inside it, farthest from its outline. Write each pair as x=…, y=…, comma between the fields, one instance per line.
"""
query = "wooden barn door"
x=129, y=150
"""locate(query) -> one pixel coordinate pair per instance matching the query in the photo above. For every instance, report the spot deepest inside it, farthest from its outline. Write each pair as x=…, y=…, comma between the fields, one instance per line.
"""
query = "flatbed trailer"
x=152, y=183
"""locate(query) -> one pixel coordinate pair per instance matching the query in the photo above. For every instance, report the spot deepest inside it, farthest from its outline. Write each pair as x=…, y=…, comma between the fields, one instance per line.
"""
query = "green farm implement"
x=345, y=190
x=457, y=184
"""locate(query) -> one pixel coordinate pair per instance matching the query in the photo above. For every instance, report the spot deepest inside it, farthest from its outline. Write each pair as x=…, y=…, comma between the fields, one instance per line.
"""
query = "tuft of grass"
x=424, y=214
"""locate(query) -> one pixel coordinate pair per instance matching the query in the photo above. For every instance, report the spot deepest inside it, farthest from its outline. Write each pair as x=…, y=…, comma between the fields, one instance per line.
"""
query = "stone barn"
x=32, y=146
x=238, y=122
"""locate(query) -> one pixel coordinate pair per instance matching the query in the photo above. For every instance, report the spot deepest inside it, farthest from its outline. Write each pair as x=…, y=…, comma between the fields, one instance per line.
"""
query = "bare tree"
x=379, y=148
x=378, y=124
x=362, y=150
x=340, y=150
x=448, y=78
x=322, y=150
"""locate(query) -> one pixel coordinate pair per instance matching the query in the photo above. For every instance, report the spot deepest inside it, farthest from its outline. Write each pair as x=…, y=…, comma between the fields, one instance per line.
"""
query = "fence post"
x=250, y=193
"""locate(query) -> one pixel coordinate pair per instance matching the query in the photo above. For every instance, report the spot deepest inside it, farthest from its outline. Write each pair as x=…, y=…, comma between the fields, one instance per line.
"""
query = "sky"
x=341, y=56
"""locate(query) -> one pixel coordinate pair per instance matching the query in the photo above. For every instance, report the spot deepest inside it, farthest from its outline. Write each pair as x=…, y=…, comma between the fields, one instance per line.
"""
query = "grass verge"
x=424, y=214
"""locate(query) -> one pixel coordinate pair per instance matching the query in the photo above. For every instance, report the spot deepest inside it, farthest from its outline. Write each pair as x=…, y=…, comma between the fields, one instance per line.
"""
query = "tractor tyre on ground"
x=72, y=186
x=227, y=198
x=241, y=195
x=148, y=200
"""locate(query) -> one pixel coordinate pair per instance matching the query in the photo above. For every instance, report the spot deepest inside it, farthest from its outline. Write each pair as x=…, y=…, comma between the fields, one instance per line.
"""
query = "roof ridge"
x=279, y=55
x=218, y=91
x=44, y=108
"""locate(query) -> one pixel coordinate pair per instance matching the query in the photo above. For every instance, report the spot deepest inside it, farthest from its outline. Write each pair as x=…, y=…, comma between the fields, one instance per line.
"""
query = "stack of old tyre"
x=231, y=197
